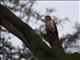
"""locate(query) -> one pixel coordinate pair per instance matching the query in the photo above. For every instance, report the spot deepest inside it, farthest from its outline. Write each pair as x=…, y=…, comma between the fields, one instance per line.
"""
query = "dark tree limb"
x=12, y=29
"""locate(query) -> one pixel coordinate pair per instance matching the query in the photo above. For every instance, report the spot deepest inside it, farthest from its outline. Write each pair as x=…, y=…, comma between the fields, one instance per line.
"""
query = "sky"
x=64, y=9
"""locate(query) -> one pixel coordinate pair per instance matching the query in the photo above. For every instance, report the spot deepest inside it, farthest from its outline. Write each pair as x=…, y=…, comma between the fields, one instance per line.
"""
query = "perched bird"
x=50, y=26
x=52, y=33
x=51, y=29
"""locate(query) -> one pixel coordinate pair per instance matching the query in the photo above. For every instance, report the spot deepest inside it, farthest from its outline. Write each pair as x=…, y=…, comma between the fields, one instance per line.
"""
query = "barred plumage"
x=51, y=28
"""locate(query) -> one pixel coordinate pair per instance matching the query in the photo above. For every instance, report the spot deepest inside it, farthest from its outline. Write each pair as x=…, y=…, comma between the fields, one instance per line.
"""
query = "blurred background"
x=65, y=14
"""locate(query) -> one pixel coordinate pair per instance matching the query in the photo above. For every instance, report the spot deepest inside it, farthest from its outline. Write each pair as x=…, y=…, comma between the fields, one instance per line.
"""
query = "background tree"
x=25, y=9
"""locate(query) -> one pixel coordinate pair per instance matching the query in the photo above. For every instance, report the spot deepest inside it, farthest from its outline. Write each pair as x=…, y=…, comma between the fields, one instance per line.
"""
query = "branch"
x=12, y=29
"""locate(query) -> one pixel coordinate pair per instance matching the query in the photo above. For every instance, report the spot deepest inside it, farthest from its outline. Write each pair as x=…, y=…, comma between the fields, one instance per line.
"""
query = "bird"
x=52, y=33
x=50, y=25
x=51, y=29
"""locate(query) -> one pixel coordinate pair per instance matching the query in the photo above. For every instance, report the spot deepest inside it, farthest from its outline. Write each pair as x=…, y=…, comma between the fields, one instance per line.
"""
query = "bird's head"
x=48, y=18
